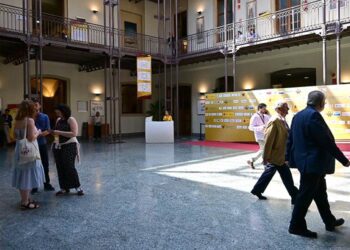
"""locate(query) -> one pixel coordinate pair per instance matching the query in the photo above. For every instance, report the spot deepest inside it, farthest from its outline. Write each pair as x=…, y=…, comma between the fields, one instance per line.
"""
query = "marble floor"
x=161, y=196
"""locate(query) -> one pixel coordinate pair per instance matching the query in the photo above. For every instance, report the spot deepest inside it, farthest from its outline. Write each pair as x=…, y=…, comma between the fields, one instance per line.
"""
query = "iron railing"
x=304, y=18
x=298, y=20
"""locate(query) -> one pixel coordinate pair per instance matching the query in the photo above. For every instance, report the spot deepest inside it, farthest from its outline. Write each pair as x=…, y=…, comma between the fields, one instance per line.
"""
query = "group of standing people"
x=35, y=126
x=309, y=146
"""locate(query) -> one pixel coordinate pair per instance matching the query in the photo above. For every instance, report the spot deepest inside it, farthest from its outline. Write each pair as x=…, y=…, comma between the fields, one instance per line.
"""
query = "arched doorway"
x=54, y=93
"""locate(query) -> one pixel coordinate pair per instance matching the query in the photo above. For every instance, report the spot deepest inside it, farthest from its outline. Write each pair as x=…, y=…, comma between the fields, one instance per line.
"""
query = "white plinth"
x=159, y=132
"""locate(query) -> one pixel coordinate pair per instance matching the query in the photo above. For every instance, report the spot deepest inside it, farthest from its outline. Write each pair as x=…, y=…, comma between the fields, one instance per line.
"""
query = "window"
x=221, y=12
x=130, y=103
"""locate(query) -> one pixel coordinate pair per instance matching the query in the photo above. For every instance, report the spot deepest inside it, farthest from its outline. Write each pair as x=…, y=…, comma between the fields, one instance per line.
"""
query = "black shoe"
x=336, y=223
x=48, y=187
x=251, y=164
x=80, y=192
x=34, y=191
x=260, y=196
x=303, y=232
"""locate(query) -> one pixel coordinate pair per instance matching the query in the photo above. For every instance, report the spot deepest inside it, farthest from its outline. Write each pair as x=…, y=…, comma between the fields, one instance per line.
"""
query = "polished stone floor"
x=164, y=196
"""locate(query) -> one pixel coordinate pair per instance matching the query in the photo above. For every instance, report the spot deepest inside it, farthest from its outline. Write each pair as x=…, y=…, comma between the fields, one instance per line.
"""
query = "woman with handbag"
x=66, y=150
x=28, y=172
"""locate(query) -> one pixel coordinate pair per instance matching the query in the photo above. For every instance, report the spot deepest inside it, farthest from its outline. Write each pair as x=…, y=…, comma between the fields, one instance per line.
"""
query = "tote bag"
x=28, y=150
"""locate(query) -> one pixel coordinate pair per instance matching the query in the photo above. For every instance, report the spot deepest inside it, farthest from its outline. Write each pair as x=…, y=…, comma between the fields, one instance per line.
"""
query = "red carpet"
x=345, y=147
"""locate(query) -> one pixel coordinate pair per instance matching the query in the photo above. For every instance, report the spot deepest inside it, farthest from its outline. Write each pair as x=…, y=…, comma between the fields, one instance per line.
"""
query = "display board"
x=227, y=115
x=144, y=77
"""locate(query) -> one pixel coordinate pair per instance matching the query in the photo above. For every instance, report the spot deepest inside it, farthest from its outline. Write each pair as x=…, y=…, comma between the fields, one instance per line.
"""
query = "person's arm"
x=254, y=124
x=323, y=137
x=73, y=129
x=46, y=127
x=270, y=136
x=32, y=132
x=289, y=142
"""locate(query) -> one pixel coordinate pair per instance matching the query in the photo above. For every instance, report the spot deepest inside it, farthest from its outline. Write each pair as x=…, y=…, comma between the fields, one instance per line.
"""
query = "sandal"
x=30, y=205
x=62, y=192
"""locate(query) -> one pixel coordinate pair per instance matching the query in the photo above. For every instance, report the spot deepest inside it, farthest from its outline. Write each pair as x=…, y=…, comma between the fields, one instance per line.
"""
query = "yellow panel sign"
x=227, y=115
x=144, y=77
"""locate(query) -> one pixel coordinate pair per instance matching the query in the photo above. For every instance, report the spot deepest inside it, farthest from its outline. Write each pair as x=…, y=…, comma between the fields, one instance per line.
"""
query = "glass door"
x=288, y=18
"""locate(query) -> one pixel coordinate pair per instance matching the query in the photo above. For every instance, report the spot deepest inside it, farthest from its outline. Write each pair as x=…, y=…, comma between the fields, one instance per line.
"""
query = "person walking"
x=312, y=149
x=276, y=135
x=29, y=175
x=42, y=122
x=257, y=123
x=66, y=150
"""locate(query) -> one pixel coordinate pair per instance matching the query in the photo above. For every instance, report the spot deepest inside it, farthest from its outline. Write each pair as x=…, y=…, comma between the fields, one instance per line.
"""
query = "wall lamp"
x=199, y=12
x=202, y=95
x=94, y=11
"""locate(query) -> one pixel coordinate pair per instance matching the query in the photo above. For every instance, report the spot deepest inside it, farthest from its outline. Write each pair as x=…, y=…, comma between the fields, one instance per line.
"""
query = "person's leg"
x=264, y=180
x=288, y=181
x=98, y=131
x=321, y=200
x=45, y=161
x=95, y=131
x=258, y=154
x=308, y=187
x=7, y=133
x=26, y=203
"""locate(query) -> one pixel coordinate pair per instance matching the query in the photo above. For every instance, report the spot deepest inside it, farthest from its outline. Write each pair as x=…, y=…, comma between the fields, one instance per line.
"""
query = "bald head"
x=316, y=99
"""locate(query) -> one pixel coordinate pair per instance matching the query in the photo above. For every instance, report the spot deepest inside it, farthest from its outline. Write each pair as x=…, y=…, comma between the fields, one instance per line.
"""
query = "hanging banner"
x=144, y=77
x=227, y=115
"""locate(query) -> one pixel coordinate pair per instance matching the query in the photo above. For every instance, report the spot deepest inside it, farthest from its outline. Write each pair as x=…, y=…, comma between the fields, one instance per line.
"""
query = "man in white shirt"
x=257, y=124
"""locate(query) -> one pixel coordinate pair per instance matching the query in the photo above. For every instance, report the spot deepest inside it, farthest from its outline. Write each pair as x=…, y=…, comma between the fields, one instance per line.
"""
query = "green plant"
x=155, y=111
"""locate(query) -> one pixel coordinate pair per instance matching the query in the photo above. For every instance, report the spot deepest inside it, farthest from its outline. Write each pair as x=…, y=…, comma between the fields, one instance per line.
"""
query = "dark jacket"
x=311, y=146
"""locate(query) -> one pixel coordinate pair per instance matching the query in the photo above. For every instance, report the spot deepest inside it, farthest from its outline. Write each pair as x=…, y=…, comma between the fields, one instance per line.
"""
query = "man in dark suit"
x=312, y=149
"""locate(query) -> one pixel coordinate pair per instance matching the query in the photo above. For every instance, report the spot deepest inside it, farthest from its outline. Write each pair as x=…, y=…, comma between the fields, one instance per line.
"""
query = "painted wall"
x=208, y=12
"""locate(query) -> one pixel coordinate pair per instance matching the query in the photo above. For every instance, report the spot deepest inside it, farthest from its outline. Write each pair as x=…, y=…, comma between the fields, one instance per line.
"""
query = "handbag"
x=28, y=150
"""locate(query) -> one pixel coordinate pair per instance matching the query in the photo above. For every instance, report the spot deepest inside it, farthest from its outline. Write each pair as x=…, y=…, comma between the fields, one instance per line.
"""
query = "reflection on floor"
x=164, y=197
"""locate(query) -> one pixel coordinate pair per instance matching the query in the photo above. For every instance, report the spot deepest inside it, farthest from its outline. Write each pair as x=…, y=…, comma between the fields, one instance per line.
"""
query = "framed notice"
x=97, y=106
x=201, y=107
x=82, y=106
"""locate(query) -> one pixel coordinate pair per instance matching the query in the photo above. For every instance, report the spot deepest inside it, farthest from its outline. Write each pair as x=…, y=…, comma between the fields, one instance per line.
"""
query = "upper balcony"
x=306, y=22
x=300, y=23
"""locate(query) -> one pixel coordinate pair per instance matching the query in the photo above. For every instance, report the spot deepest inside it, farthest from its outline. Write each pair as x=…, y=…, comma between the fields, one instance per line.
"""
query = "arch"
x=293, y=77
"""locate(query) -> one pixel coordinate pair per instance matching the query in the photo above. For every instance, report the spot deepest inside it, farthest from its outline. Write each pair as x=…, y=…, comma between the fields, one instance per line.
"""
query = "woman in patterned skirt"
x=66, y=150
x=29, y=175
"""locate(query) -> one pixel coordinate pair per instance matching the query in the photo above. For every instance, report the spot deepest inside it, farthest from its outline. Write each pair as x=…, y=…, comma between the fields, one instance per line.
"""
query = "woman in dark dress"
x=66, y=150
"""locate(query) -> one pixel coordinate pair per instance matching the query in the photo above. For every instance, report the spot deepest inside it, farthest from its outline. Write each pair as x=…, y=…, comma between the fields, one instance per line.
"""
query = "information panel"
x=227, y=115
x=144, y=77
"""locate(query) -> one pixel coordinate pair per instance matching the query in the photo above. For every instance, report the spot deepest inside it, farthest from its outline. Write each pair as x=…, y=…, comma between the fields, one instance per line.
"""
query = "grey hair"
x=315, y=98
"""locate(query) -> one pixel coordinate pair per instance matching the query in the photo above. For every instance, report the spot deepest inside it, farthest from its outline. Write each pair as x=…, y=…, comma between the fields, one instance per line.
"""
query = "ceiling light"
x=306, y=77
x=289, y=74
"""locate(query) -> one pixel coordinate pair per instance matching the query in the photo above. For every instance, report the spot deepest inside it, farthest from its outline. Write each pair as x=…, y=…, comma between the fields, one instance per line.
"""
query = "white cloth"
x=257, y=124
x=71, y=140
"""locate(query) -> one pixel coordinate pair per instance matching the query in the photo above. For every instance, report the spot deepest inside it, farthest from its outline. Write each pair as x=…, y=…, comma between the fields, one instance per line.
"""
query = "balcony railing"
x=289, y=22
x=298, y=20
